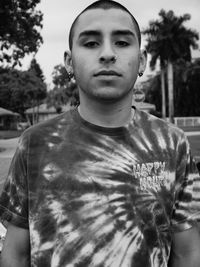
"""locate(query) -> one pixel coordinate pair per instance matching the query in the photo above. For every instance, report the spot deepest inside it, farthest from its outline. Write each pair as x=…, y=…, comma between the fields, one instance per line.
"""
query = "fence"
x=187, y=121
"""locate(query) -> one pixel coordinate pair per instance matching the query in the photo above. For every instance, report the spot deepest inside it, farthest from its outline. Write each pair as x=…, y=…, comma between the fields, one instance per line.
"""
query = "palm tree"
x=187, y=82
x=169, y=40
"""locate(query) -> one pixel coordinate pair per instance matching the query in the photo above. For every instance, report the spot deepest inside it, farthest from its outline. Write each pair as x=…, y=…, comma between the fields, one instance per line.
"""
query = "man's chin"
x=106, y=94
x=107, y=98
x=110, y=95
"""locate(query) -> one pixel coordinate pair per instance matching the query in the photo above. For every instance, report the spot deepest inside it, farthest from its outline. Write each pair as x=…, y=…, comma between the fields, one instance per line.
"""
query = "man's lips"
x=107, y=73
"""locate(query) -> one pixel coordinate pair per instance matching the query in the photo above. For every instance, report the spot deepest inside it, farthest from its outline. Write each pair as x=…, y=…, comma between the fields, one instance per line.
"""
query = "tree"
x=187, y=89
x=40, y=92
x=187, y=84
x=57, y=98
x=36, y=69
x=59, y=76
x=153, y=93
x=20, y=90
x=63, y=91
x=169, y=40
x=19, y=26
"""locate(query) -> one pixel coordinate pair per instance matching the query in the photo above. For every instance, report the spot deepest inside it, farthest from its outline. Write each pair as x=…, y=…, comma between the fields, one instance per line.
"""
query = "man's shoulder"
x=49, y=127
x=155, y=123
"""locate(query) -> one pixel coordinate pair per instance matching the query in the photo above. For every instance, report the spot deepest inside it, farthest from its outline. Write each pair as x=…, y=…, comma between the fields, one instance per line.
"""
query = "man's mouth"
x=107, y=73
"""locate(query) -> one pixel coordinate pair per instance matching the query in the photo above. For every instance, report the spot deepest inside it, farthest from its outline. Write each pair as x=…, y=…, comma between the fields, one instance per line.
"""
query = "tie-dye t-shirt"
x=101, y=197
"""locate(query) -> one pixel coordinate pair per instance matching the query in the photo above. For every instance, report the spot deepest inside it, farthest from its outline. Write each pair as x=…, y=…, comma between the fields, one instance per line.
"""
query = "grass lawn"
x=195, y=145
x=190, y=128
x=4, y=166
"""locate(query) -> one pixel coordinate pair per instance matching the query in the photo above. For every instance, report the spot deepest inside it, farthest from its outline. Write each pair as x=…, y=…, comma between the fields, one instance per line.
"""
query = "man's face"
x=105, y=54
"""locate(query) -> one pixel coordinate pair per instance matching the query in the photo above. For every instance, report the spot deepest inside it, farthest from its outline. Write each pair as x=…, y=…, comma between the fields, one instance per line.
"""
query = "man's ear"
x=143, y=60
x=68, y=61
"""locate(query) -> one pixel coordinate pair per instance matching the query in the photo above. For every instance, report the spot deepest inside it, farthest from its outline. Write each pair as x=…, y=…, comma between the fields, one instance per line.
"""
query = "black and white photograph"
x=99, y=133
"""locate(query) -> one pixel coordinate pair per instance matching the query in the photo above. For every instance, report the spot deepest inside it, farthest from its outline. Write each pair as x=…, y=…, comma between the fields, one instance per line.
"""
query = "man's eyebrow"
x=89, y=33
x=123, y=32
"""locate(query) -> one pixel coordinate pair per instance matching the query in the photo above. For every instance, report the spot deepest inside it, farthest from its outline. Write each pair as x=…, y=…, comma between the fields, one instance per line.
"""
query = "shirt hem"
x=8, y=216
x=186, y=224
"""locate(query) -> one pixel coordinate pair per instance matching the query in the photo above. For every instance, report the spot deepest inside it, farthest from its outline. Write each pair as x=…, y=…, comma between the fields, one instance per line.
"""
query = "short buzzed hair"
x=104, y=4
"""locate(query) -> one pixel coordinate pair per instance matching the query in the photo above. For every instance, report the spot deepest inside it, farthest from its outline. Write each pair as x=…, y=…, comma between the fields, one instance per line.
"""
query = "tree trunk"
x=170, y=90
x=162, y=74
x=33, y=116
x=37, y=115
x=170, y=81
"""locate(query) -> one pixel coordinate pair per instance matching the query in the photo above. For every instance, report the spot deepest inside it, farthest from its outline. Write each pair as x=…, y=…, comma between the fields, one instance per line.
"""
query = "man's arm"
x=16, y=248
x=185, y=249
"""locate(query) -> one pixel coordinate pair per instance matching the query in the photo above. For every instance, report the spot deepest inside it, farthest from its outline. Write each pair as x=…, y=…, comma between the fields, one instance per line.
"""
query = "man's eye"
x=122, y=43
x=91, y=44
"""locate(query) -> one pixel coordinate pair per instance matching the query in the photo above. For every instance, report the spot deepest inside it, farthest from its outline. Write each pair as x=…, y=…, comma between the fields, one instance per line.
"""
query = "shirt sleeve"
x=14, y=197
x=186, y=212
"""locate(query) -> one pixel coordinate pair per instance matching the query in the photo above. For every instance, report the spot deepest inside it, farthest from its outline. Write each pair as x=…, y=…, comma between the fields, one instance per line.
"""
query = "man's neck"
x=106, y=114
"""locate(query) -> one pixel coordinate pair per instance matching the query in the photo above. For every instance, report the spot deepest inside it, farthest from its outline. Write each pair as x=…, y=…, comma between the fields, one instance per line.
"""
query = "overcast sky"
x=59, y=15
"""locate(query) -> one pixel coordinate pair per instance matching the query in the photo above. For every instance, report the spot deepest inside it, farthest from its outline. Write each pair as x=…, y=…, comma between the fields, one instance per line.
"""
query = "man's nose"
x=107, y=54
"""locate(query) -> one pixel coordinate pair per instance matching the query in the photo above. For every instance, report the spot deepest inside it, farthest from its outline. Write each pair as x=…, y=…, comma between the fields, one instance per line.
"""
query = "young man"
x=104, y=184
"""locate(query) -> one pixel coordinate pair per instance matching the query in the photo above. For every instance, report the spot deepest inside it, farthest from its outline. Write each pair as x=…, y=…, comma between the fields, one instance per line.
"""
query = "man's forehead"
x=99, y=19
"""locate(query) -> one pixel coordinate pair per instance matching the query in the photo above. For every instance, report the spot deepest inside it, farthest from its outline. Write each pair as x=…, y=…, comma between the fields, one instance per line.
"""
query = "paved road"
x=8, y=147
x=194, y=139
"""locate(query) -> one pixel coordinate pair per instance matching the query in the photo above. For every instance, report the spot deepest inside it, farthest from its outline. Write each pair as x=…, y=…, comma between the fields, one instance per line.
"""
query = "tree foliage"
x=20, y=90
x=64, y=91
x=19, y=29
x=153, y=93
x=169, y=41
x=59, y=76
x=186, y=89
x=36, y=69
